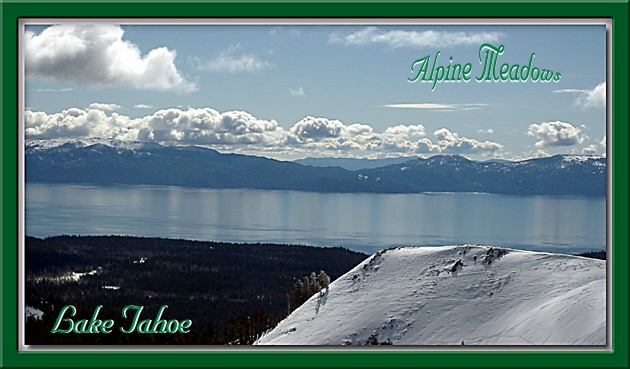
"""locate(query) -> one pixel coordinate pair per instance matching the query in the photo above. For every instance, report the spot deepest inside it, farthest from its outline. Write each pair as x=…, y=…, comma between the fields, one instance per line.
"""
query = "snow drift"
x=454, y=295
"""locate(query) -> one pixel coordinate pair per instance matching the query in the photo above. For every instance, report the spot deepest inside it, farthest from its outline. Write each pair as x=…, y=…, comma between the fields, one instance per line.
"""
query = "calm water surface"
x=362, y=222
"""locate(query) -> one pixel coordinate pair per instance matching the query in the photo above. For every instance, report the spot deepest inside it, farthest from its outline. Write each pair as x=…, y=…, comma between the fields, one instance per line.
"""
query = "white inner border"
x=21, y=318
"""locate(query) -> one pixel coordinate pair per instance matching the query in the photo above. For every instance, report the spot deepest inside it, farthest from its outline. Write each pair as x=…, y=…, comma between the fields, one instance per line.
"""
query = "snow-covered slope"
x=475, y=295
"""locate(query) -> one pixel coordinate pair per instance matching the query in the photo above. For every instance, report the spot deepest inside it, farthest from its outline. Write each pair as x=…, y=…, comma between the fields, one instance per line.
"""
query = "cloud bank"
x=98, y=55
x=240, y=131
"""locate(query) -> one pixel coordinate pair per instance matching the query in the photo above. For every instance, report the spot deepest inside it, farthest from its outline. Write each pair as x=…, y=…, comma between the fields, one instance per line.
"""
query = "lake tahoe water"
x=358, y=221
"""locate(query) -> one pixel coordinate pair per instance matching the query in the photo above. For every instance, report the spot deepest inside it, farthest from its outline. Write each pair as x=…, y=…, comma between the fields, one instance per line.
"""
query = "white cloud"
x=404, y=131
x=404, y=139
x=436, y=106
x=294, y=32
x=569, y=90
x=100, y=106
x=143, y=106
x=595, y=98
x=405, y=145
x=553, y=134
x=603, y=141
x=323, y=134
x=488, y=131
x=355, y=130
x=590, y=150
x=450, y=142
x=77, y=123
x=311, y=129
x=98, y=55
x=192, y=126
x=413, y=39
x=207, y=126
x=54, y=90
x=297, y=92
x=232, y=60
x=421, y=106
x=541, y=154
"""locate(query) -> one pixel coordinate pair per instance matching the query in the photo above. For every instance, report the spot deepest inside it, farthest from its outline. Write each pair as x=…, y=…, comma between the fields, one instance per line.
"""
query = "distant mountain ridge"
x=352, y=163
x=104, y=163
x=358, y=164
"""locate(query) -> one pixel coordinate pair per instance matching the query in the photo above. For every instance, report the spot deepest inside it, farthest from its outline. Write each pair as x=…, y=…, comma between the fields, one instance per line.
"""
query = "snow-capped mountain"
x=69, y=144
x=109, y=162
x=455, y=295
x=555, y=175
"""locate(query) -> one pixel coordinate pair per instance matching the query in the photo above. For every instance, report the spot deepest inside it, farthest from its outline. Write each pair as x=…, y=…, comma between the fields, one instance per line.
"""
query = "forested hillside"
x=231, y=292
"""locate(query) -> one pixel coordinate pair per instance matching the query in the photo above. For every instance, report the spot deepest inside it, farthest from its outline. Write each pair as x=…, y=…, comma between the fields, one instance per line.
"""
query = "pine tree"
x=306, y=287
x=323, y=280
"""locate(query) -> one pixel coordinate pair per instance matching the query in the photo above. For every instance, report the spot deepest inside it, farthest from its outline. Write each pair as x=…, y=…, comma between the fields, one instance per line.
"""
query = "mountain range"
x=114, y=162
x=353, y=163
x=358, y=164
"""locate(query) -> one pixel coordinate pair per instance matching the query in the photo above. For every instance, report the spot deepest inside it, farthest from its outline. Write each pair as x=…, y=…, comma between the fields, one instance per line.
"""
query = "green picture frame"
x=617, y=356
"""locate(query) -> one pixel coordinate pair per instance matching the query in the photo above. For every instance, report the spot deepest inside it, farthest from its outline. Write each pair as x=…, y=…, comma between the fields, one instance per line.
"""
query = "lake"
x=358, y=221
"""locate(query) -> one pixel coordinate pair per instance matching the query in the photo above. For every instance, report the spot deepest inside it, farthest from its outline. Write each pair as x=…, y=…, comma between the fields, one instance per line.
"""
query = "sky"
x=290, y=91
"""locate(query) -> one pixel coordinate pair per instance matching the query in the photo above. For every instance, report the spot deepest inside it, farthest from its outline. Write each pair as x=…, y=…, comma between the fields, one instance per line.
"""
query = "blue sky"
x=291, y=91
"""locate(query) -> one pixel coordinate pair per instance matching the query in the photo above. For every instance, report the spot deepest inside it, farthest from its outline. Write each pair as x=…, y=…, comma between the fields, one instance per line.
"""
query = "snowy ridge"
x=454, y=295
x=34, y=145
x=580, y=158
